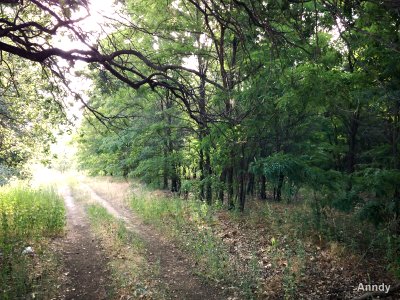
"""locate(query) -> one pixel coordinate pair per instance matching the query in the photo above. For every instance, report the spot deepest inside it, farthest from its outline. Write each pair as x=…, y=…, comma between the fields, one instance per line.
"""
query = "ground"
x=162, y=270
x=86, y=272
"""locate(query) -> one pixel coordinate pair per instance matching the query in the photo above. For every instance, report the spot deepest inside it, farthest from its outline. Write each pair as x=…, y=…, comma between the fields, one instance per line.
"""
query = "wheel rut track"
x=175, y=270
x=85, y=275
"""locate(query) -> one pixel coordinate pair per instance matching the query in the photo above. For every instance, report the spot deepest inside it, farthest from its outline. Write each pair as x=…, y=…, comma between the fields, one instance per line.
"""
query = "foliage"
x=28, y=115
x=314, y=107
x=28, y=217
x=226, y=101
x=277, y=165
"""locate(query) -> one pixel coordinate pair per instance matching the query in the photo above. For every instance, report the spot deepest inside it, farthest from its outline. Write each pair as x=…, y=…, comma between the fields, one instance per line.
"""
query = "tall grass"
x=28, y=217
x=131, y=273
x=191, y=223
x=292, y=230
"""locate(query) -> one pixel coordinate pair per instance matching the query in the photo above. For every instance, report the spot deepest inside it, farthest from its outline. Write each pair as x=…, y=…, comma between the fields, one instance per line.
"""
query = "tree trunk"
x=222, y=179
x=229, y=177
x=242, y=193
x=174, y=184
x=263, y=193
x=278, y=196
x=201, y=167
x=208, y=170
x=172, y=165
x=352, y=141
x=204, y=159
x=250, y=185
x=165, y=168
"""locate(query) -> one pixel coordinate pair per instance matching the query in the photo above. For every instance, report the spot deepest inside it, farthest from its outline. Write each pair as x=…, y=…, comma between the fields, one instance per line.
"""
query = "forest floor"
x=132, y=259
x=90, y=260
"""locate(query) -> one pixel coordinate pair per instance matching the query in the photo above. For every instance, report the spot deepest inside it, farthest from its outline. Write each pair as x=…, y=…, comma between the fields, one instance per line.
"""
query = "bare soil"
x=327, y=272
x=175, y=268
x=85, y=274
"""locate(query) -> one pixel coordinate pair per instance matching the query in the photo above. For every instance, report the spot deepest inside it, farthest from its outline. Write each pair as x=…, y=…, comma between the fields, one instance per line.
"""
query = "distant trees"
x=28, y=112
x=290, y=87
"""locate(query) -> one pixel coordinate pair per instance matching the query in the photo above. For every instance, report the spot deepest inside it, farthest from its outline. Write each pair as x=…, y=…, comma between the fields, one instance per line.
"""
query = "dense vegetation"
x=28, y=218
x=28, y=115
x=225, y=101
x=301, y=104
x=290, y=101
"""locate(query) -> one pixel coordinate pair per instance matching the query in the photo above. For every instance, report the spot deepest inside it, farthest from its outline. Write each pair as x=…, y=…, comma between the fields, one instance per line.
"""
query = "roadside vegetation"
x=192, y=224
x=303, y=126
x=132, y=275
x=29, y=219
x=273, y=249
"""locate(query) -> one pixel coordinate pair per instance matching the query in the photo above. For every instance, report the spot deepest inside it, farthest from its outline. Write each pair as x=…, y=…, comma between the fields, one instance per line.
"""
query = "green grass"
x=28, y=217
x=191, y=223
x=290, y=228
x=131, y=273
x=281, y=240
x=100, y=218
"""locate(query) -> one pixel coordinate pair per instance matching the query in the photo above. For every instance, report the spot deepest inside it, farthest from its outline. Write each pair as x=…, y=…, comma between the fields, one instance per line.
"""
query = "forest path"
x=175, y=269
x=85, y=274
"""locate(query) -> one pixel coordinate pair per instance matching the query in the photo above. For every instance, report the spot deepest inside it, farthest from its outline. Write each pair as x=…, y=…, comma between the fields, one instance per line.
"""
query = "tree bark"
x=222, y=179
x=201, y=168
x=242, y=193
x=263, y=193
x=352, y=141
x=229, y=177
x=278, y=196
x=250, y=184
x=208, y=170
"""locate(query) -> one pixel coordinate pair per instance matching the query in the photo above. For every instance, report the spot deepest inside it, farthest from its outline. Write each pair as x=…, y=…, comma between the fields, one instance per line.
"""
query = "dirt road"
x=86, y=274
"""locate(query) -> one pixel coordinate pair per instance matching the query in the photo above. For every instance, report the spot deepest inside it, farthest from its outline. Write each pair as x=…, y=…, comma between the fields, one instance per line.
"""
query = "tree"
x=310, y=84
x=29, y=109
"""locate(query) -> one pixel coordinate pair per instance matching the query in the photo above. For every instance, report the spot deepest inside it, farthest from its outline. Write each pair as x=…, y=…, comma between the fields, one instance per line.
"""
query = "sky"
x=99, y=10
x=95, y=23
x=92, y=23
x=97, y=19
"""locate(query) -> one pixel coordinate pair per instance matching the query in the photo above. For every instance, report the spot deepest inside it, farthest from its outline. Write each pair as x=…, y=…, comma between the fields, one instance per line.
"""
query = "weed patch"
x=271, y=250
x=192, y=224
x=131, y=273
x=28, y=218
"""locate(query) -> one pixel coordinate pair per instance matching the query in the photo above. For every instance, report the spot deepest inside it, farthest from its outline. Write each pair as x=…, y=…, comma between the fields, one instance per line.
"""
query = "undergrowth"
x=192, y=224
x=293, y=237
x=28, y=218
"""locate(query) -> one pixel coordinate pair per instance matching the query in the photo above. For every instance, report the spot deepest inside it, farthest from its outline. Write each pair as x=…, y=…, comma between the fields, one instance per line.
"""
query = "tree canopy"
x=226, y=99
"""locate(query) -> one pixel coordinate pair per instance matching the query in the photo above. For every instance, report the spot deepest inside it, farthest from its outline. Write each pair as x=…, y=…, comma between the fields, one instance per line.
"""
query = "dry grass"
x=132, y=275
x=295, y=260
x=108, y=187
